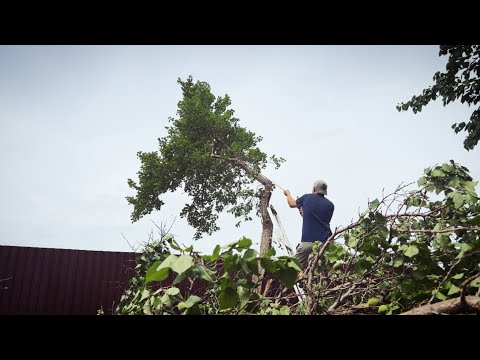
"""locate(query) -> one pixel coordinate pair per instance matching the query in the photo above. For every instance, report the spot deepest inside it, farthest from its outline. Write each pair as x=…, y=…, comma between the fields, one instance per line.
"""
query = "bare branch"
x=451, y=306
x=438, y=231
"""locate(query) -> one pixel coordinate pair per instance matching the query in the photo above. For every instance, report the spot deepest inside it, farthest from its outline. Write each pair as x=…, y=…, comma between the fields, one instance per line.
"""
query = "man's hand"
x=290, y=200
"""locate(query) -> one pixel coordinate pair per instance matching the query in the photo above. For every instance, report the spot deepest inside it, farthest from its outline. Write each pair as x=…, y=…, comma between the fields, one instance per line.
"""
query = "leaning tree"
x=216, y=161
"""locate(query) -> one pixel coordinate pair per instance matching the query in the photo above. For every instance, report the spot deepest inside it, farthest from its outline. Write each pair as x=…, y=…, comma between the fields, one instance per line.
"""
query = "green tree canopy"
x=209, y=155
x=460, y=81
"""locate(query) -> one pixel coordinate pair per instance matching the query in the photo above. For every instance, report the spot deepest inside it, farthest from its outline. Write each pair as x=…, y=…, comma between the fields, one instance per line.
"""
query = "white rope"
x=280, y=238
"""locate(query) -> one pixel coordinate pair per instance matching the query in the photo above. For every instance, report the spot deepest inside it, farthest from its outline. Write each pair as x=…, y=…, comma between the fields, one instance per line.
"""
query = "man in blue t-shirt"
x=317, y=212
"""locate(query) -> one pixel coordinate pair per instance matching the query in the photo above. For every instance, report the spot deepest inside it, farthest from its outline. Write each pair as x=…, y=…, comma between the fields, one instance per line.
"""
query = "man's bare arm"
x=291, y=201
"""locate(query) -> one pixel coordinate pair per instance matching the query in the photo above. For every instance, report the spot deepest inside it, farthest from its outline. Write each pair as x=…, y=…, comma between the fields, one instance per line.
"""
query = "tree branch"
x=438, y=231
x=249, y=170
x=451, y=306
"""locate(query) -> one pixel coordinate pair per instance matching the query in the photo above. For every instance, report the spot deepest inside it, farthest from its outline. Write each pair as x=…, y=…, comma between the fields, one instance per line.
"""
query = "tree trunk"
x=265, y=194
x=267, y=225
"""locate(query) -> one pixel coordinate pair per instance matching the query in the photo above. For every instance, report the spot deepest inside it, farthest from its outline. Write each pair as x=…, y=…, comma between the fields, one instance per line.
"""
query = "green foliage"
x=389, y=261
x=196, y=156
x=460, y=81
x=152, y=254
x=226, y=276
x=423, y=251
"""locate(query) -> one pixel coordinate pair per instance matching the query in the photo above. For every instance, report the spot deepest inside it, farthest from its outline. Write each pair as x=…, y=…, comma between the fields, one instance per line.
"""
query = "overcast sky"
x=72, y=119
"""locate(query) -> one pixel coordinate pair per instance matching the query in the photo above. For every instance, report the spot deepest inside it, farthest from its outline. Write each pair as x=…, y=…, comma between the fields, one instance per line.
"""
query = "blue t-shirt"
x=317, y=213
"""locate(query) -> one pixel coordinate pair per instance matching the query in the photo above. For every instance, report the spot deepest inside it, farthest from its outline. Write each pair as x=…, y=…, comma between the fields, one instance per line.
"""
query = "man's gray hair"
x=320, y=187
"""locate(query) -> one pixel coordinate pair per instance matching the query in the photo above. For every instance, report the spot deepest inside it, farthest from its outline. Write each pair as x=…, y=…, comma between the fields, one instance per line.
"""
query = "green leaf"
x=454, y=183
x=463, y=246
x=284, y=310
x=253, y=266
x=190, y=248
x=203, y=273
x=447, y=168
x=245, y=266
x=172, y=291
x=268, y=265
x=411, y=251
x=250, y=254
x=174, y=245
x=475, y=283
x=352, y=242
x=470, y=185
x=470, y=199
x=374, y=204
x=397, y=262
x=228, y=298
x=194, y=310
x=168, y=262
x=458, y=276
x=440, y=296
x=216, y=253
x=392, y=309
x=166, y=300
x=475, y=220
x=458, y=200
x=418, y=275
x=183, y=263
x=156, y=303
x=156, y=275
x=438, y=173
x=244, y=243
x=179, y=278
x=340, y=251
x=192, y=300
x=288, y=276
x=453, y=290
x=230, y=262
x=145, y=294
x=364, y=213
x=248, y=284
x=359, y=267
x=295, y=264
x=403, y=248
x=442, y=239
x=331, y=253
x=147, y=309
x=270, y=252
x=422, y=181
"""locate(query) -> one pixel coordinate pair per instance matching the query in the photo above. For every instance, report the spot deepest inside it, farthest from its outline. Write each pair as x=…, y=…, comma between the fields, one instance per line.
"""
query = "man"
x=317, y=213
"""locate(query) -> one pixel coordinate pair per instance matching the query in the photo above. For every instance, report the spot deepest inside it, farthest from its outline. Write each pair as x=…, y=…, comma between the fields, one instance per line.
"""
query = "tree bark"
x=267, y=225
x=451, y=306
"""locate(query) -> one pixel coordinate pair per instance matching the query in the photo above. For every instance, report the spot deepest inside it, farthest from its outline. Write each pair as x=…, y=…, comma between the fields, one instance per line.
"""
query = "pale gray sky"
x=72, y=119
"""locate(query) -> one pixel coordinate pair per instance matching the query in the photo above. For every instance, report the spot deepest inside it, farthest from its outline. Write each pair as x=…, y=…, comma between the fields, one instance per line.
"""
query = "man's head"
x=320, y=187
